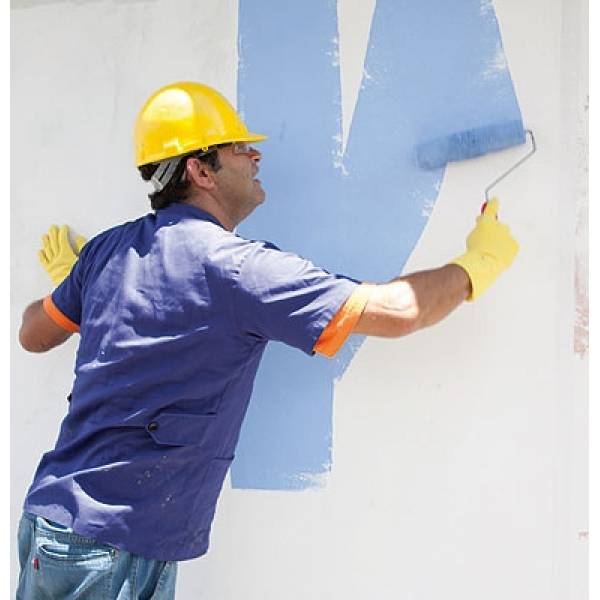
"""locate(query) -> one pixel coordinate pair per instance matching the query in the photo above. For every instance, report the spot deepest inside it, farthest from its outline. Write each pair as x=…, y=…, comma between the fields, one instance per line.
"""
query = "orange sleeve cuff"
x=58, y=317
x=341, y=325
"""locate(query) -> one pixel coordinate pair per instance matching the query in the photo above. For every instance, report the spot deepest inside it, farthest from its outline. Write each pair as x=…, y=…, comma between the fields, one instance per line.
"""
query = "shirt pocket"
x=179, y=429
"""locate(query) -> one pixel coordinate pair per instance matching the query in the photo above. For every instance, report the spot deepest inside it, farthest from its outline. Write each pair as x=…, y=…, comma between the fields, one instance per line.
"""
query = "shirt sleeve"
x=64, y=305
x=58, y=317
x=281, y=296
x=344, y=321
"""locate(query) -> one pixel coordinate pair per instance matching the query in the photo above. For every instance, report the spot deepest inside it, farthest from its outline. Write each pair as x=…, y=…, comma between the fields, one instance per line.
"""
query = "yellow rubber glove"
x=490, y=250
x=57, y=255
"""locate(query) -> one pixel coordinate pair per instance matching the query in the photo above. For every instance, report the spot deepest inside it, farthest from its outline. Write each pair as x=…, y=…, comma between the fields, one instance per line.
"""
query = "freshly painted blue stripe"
x=433, y=69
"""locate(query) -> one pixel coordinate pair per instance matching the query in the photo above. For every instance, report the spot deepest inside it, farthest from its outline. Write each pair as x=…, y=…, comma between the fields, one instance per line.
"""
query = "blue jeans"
x=57, y=564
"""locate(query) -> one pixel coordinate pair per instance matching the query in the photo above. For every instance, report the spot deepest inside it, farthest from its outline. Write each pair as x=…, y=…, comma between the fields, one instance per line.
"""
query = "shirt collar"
x=183, y=210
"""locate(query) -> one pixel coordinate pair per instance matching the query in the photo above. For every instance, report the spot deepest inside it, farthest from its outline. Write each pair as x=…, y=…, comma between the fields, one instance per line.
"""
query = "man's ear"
x=200, y=174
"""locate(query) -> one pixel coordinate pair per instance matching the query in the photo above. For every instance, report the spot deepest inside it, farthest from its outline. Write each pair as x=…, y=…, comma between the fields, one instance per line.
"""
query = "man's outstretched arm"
x=421, y=299
x=413, y=302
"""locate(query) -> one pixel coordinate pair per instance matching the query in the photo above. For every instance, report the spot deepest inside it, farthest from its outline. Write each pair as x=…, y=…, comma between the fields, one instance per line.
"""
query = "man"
x=174, y=311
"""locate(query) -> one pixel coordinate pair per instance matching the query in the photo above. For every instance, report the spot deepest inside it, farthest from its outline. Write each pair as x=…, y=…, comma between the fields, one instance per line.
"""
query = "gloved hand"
x=57, y=256
x=490, y=250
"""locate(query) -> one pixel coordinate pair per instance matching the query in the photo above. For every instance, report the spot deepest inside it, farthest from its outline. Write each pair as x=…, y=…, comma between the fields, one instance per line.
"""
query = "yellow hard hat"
x=183, y=117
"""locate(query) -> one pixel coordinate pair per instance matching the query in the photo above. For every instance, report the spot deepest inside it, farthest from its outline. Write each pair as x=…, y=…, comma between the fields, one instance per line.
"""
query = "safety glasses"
x=236, y=147
x=243, y=148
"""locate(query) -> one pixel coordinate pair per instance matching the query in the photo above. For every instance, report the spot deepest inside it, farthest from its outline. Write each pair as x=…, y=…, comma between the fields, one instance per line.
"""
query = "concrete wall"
x=459, y=454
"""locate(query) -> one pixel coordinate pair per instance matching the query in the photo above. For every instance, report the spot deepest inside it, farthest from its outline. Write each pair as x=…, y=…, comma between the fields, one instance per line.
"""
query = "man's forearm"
x=414, y=301
x=437, y=292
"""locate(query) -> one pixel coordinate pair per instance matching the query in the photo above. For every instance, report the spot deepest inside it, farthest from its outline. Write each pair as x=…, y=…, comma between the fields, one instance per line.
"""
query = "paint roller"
x=471, y=143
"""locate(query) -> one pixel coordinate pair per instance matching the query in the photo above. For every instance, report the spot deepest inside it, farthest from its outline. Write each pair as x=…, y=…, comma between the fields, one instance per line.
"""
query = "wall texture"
x=455, y=459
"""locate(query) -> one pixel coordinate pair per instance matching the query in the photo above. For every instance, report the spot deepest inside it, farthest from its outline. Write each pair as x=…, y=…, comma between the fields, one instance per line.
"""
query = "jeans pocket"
x=56, y=543
x=72, y=554
x=64, y=567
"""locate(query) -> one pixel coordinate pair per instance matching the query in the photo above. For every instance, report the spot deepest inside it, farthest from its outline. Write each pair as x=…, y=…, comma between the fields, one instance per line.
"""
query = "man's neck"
x=212, y=207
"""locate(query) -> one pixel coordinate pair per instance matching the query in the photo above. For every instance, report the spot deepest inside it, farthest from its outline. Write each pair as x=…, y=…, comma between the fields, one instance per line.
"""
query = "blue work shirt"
x=174, y=313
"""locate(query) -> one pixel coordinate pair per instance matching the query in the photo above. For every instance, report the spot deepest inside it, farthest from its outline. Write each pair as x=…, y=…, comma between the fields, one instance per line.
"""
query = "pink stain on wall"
x=581, y=340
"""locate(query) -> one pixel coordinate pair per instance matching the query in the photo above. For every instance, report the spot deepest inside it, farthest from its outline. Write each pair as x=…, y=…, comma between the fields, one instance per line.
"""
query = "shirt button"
x=153, y=426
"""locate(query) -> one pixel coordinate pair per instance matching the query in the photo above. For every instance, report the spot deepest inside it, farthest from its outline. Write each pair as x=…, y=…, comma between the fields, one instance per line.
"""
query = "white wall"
x=465, y=478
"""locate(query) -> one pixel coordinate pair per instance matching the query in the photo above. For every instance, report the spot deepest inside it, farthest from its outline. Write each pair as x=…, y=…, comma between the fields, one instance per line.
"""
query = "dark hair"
x=178, y=187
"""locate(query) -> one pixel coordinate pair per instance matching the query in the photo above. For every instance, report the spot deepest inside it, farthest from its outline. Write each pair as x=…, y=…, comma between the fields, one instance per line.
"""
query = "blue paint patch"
x=432, y=69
